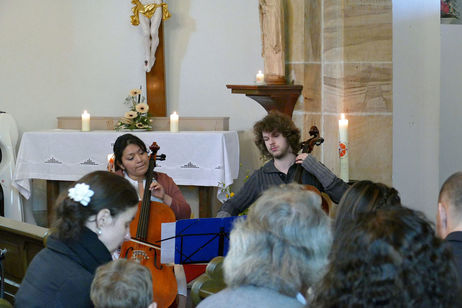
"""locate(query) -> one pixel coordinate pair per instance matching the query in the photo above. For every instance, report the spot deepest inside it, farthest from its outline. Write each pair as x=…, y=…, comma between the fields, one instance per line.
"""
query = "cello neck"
x=143, y=222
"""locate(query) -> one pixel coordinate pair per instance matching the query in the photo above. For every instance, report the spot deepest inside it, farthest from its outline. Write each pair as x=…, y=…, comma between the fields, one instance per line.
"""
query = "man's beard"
x=282, y=154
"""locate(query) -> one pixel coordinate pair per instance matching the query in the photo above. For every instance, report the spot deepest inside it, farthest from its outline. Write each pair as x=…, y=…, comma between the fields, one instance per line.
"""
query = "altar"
x=195, y=158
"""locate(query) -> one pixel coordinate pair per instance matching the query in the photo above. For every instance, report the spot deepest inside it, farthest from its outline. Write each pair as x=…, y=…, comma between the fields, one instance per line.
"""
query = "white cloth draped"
x=205, y=158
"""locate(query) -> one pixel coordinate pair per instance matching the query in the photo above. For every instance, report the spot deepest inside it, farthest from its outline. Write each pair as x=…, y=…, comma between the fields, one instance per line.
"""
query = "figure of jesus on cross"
x=149, y=16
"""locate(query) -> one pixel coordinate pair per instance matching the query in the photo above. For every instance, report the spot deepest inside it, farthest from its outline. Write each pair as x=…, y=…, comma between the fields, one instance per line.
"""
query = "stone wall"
x=341, y=51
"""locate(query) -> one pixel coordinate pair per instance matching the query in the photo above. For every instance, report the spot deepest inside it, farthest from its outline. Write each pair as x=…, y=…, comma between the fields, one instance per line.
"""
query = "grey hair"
x=283, y=244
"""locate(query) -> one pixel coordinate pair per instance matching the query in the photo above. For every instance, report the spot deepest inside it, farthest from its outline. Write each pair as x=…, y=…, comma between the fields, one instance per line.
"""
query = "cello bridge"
x=139, y=255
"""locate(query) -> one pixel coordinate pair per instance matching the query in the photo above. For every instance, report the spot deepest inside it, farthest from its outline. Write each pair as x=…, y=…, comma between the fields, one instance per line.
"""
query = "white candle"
x=260, y=78
x=85, y=121
x=343, y=148
x=174, y=122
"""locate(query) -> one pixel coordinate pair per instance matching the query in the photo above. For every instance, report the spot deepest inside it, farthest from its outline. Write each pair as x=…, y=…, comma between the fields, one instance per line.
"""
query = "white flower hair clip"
x=81, y=193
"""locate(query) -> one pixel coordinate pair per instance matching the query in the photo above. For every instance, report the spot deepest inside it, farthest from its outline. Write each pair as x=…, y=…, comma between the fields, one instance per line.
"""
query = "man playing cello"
x=278, y=139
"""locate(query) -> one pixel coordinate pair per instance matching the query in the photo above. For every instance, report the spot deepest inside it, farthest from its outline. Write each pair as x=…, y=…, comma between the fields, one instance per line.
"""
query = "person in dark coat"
x=449, y=217
x=93, y=219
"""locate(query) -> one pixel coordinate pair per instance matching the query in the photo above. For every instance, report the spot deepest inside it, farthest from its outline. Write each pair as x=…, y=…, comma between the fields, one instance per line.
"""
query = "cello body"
x=144, y=247
x=147, y=253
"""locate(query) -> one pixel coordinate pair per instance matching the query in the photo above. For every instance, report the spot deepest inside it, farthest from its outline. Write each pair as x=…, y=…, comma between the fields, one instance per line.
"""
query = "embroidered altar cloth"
x=203, y=158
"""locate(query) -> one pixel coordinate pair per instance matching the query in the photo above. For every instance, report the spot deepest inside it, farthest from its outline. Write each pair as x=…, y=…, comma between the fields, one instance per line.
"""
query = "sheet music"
x=167, y=251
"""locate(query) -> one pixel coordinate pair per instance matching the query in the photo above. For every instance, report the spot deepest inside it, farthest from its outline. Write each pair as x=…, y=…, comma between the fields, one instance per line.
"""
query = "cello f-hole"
x=127, y=251
x=160, y=266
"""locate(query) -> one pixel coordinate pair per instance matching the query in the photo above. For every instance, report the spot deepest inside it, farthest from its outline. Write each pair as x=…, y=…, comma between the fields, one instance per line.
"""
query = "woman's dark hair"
x=121, y=143
x=276, y=122
x=362, y=197
x=111, y=192
x=388, y=258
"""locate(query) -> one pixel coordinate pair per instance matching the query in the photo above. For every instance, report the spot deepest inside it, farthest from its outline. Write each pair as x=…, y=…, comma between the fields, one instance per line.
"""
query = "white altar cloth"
x=205, y=158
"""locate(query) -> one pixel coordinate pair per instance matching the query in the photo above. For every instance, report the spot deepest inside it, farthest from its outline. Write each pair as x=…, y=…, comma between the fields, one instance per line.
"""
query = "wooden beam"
x=155, y=81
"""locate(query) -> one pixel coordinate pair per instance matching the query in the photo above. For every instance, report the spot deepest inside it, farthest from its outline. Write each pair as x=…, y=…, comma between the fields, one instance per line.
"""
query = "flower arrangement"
x=137, y=117
x=225, y=190
x=448, y=9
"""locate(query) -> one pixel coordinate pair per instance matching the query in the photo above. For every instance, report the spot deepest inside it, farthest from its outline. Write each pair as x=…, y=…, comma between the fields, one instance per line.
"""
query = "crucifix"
x=150, y=16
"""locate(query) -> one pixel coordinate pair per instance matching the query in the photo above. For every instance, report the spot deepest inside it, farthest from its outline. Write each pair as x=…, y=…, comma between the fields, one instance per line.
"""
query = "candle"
x=110, y=158
x=260, y=78
x=343, y=148
x=110, y=162
x=85, y=121
x=174, y=122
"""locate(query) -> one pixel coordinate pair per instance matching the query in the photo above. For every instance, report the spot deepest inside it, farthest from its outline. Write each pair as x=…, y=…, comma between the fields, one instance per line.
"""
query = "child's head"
x=122, y=283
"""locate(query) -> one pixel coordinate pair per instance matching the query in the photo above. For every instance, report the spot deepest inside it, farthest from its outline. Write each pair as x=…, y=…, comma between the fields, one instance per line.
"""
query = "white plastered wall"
x=416, y=107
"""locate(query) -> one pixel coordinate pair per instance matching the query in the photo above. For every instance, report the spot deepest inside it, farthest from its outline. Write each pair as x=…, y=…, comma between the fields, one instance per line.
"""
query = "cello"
x=307, y=146
x=144, y=247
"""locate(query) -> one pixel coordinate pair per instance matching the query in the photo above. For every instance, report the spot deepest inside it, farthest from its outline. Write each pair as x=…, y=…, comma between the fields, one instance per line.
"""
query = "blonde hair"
x=122, y=283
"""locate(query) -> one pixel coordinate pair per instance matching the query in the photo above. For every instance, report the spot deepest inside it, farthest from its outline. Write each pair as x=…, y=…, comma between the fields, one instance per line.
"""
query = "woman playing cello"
x=131, y=161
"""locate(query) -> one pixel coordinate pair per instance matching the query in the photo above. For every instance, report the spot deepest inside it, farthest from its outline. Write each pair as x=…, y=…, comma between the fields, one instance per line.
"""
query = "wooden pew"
x=23, y=241
x=209, y=283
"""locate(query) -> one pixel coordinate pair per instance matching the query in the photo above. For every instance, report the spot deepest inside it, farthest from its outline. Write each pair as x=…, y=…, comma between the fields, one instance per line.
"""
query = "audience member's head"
x=101, y=201
x=276, y=123
x=449, y=216
x=388, y=258
x=282, y=245
x=363, y=197
x=120, y=284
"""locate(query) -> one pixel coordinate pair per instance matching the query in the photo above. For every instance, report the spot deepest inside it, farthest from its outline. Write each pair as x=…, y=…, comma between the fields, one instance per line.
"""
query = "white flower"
x=140, y=125
x=142, y=107
x=81, y=193
x=135, y=92
x=131, y=114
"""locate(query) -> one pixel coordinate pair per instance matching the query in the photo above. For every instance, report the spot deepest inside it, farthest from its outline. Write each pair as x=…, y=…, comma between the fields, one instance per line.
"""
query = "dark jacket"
x=61, y=274
x=455, y=241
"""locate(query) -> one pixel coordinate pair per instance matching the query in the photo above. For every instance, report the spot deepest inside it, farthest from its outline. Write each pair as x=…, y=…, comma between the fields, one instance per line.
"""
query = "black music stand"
x=200, y=240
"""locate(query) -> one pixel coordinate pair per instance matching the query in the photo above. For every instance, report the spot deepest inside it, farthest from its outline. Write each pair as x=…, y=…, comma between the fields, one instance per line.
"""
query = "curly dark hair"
x=388, y=258
x=121, y=143
x=111, y=192
x=276, y=122
x=362, y=197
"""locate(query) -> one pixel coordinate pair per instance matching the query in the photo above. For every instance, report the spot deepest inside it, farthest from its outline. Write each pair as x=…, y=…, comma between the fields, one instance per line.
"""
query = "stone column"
x=341, y=51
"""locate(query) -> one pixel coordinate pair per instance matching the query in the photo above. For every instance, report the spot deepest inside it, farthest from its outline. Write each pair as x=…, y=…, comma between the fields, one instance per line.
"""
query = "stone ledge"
x=158, y=123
